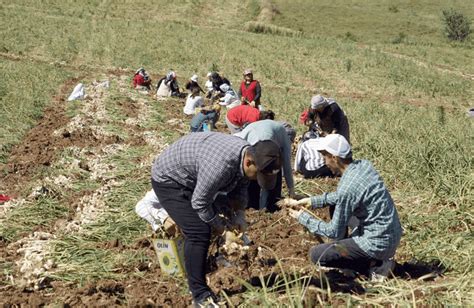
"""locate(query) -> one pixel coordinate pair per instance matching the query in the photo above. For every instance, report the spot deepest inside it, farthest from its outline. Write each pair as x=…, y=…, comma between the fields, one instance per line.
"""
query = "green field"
x=404, y=86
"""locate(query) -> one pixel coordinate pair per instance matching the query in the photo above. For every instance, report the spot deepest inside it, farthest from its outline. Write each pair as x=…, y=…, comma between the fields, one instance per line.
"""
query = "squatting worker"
x=361, y=193
x=189, y=174
x=275, y=131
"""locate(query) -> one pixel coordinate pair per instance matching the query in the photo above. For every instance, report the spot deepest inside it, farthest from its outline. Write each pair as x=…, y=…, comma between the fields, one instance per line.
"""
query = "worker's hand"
x=218, y=225
x=252, y=103
x=295, y=213
x=242, y=99
x=170, y=227
x=334, y=131
x=238, y=221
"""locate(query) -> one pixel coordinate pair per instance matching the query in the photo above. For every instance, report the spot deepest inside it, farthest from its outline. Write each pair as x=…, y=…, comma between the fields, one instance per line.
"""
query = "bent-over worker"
x=187, y=177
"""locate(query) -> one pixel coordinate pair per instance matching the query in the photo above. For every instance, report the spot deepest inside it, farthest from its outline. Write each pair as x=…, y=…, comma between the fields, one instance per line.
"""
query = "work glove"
x=238, y=221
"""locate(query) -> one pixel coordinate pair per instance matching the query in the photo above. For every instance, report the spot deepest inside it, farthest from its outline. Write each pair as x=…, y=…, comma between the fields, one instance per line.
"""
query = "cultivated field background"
x=77, y=169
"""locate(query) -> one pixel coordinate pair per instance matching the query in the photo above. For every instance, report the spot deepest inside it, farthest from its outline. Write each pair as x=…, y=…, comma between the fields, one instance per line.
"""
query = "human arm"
x=284, y=142
x=324, y=200
x=334, y=229
x=258, y=92
x=211, y=176
x=299, y=158
x=346, y=199
x=337, y=118
x=238, y=202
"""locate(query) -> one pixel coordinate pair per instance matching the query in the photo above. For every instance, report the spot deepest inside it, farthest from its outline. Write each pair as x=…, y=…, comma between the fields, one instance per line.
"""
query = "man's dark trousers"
x=176, y=200
x=344, y=254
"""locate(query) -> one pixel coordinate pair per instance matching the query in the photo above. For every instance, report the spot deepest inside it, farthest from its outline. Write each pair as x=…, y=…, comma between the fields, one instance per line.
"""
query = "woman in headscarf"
x=141, y=79
x=328, y=115
x=168, y=85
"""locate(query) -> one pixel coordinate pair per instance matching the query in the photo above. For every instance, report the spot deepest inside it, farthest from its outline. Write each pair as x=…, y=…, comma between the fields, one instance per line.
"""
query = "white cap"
x=194, y=78
x=334, y=144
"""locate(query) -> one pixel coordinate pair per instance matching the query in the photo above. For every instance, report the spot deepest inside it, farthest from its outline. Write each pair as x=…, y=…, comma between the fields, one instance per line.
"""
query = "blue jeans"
x=198, y=120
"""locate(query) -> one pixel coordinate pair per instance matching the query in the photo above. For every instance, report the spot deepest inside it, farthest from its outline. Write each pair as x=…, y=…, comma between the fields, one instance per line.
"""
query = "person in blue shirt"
x=275, y=131
x=361, y=192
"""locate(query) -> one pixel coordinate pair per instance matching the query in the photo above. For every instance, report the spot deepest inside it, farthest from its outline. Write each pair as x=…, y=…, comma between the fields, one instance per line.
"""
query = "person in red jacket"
x=250, y=90
x=141, y=79
x=239, y=117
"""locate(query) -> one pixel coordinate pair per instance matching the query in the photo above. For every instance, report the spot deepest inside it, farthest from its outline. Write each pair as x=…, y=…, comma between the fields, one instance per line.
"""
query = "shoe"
x=381, y=273
x=348, y=273
x=209, y=300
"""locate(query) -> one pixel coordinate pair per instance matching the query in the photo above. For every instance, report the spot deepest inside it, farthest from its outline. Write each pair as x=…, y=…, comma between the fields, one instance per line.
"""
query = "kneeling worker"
x=189, y=174
x=361, y=193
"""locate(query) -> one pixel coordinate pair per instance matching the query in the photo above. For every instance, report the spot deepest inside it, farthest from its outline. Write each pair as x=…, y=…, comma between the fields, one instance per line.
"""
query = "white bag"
x=150, y=209
x=77, y=93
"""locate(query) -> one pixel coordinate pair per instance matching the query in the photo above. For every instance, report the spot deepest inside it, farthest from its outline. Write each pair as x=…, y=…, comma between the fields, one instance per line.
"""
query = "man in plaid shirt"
x=360, y=193
x=188, y=176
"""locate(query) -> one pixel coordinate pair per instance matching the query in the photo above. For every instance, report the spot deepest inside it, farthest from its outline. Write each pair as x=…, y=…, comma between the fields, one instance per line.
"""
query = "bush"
x=457, y=26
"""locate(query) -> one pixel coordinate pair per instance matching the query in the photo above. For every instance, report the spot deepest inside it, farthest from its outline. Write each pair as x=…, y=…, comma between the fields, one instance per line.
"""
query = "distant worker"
x=230, y=98
x=193, y=101
x=250, y=90
x=141, y=80
x=208, y=85
x=329, y=116
x=276, y=132
x=217, y=81
x=187, y=177
x=193, y=83
x=239, y=117
x=205, y=118
x=168, y=85
x=361, y=192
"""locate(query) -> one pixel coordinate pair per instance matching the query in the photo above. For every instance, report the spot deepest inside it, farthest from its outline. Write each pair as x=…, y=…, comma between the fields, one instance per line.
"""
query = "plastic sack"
x=150, y=209
x=77, y=93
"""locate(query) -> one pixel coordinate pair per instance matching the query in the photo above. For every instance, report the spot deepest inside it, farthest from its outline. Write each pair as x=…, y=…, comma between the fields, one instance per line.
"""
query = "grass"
x=26, y=88
x=404, y=87
x=28, y=217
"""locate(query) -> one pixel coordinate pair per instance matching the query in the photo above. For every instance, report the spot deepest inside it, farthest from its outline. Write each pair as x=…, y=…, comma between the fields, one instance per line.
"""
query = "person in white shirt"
x=208, y=84
x=230, y=99
x=193, y=101
x=309, y=161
